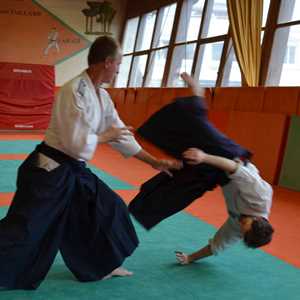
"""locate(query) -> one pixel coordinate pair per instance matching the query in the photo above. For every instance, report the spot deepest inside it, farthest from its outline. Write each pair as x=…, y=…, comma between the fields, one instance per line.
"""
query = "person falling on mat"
x=177, y=126
x=248, y=200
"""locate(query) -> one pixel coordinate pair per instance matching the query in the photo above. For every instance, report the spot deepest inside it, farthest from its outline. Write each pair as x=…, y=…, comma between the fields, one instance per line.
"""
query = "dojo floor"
x=239, y=273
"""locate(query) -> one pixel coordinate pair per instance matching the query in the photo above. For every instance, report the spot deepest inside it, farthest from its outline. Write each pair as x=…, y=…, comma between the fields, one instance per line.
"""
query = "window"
x=164, y=26
x=216, y=51
x=145, y=51
x=284, y=65
x=232, y=72
x=122, y=78
x=208, y=61
x=198, y=46
x=265, y=11
x=290, y=53
x=145, y=31
x=138, y=70
x=182, y=61
x=156, y=68
x=190, y=20
x=193, y=35
x=130, y=35
x=284, y=68
x=289, y=11
x=216, y=21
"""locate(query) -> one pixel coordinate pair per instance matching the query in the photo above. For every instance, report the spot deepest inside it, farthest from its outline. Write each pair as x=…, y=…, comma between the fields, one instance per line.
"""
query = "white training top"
x=246, y=194
x=80, y=113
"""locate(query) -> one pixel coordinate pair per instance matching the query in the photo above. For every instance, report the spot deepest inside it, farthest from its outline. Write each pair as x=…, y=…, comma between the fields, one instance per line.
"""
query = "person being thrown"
x=177, y=126
x=248, y=199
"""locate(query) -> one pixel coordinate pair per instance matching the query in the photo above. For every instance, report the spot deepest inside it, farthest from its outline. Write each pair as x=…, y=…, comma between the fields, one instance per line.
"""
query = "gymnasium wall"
x=25, y=27
x=44, y=44
x=264, y=119
x=69, y=11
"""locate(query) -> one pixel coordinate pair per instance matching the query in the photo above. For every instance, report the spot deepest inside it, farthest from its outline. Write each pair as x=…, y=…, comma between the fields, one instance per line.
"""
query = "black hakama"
x=69, y=210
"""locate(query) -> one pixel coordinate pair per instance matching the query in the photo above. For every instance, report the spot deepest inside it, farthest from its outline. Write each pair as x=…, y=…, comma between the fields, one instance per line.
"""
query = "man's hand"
x=166, y=165
x=194, y=156
x=115, y=134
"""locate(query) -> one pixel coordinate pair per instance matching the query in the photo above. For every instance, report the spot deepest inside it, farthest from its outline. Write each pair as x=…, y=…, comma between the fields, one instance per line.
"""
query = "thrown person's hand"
x=194, y=156
x=182, y=258
x=115, y=134
x=167, y=165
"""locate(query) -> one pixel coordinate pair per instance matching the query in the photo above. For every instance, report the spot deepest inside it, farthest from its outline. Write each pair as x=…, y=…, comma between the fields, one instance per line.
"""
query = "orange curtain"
x=245, y=17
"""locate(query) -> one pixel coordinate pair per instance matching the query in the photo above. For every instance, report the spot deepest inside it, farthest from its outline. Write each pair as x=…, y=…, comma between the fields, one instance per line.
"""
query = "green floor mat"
x=238, y=273
x=9, y=174
x=289, y=175
x=17, y=147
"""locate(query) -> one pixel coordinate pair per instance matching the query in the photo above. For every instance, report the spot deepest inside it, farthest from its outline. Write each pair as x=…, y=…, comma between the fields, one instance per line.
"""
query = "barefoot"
x=193, y=84
x=121, y=272
x=118, y=272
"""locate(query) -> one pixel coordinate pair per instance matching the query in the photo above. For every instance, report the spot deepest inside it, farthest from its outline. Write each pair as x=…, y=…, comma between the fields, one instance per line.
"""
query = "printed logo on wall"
x=104, y=14
x=52, y=41
x=45, y=39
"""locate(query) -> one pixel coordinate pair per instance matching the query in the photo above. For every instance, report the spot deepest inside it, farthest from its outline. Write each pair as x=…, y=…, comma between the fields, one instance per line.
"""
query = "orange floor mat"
x=5, y=198
x=12, y=156
x=9, y=136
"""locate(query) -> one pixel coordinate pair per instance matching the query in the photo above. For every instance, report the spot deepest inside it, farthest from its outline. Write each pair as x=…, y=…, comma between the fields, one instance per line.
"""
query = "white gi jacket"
x=246, y=194
x=80, y=114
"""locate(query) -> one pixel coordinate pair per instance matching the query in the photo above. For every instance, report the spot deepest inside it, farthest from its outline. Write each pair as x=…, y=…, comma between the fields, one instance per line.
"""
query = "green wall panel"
x=290, y=171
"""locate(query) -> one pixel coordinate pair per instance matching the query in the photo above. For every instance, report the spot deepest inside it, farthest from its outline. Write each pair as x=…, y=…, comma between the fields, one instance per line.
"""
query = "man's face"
x=112, y=66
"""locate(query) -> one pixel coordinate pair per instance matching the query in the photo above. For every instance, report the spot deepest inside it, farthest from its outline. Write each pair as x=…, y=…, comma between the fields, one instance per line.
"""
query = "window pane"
x=190, y=19
x=262, y=34
x=146, y=31
x=216, y=20
x=284, y=68
x=265, y=11
x=138, y=71
x=182, y=61
x=208, y=63
x=232, y=73
x=156, y=68
x=164, y=26
x=289, y=11
x=122, y=78
x=130, y=35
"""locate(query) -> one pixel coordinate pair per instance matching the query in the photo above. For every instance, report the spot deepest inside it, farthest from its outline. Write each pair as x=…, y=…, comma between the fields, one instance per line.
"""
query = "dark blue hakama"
x=180, y=125
x=67, y=209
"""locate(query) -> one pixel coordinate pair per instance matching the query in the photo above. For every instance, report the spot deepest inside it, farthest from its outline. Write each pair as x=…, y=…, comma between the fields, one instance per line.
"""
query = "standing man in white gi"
x=60, y=205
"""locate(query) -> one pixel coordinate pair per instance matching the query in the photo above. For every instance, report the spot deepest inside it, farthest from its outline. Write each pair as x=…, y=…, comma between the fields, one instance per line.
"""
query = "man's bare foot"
x=118, y=272
x=193, y=84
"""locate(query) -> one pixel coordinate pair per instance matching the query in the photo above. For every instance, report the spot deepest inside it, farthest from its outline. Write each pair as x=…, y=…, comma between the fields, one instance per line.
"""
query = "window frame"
x=269, y=29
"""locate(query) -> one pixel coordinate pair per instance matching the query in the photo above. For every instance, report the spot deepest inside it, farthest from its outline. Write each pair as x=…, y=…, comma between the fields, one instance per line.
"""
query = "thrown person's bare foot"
x=121, y=272
x=193, y=84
